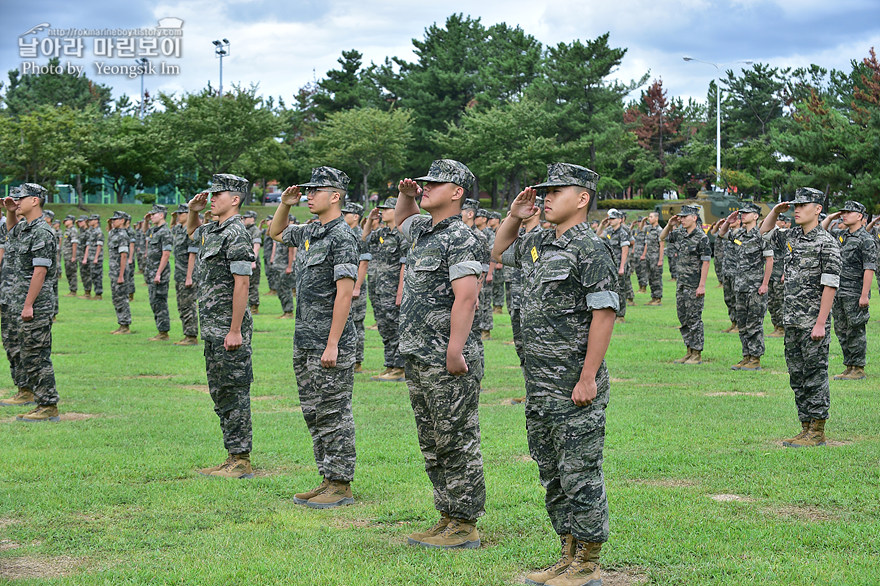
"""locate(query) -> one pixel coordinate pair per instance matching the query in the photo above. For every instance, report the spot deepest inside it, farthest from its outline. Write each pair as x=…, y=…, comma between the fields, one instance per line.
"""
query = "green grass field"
x=700, y=489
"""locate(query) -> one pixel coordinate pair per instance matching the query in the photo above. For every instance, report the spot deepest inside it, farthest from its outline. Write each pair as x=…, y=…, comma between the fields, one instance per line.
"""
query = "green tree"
x=349, y=87
x=128, y=151
x=25, y=93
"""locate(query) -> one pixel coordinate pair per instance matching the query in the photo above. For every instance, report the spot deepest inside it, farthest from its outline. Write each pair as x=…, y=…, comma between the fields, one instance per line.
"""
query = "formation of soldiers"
x=435, y=280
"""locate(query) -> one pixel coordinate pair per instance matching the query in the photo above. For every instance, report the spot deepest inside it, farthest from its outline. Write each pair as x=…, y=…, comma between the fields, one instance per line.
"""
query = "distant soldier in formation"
x=858, y=254
x=499, y=279
x=132, y=251
x=157, y=271
x=118, y=251
x=84, y=270
x=55, y=269
x=95, y=255
x=484, y=308
x=637, y=228
x=812, y=276
x=71, y=250
x=140, y=247
x=352, y=213
x=225, y=256
x=250, y=223
x=693, y=267
x=616, y=233
x=283, y=261
x=776, y=288
x=468, y=215
x=267, y=248
x=729, y=272
x=514, y=283
x=184, y=285
x=387, y=247
x=652, y=253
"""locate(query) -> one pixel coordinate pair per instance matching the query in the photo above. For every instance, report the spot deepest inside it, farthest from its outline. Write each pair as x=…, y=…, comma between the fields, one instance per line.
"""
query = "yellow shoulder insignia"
x=737, y=242
x=381, y=240
x=307, y=245
x=840, y=238
x=789, y=246
x=534, y=254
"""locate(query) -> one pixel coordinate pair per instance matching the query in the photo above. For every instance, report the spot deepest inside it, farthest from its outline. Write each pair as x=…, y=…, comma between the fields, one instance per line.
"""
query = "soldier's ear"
x=583, y=199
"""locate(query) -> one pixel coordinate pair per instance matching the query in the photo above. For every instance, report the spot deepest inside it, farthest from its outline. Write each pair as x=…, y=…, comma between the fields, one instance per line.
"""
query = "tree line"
x=491, y=96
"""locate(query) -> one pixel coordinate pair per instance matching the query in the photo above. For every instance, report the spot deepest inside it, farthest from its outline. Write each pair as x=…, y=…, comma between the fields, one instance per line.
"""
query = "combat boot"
x=654, y=301
x=383, y=373
x=497, y=310
x=584, y=568
x=123, y=330
x=778, y=332
x=302, y=498
x=40, y=414
x=619, y=320
x=754, y=363
x=286, y=315
x=684, y=358
x=815, y=436
x=210, y=469
x=569, y=545
x=337, y=494
x=97, y=297
x=731, y=328
x=272, y=293
x=696, y=357
x=187, y=341
x=23, y=397
x=842, y=375
x=485, y=335
x=739, y=365
x=805, y=429
x=358, y=367
x=160, y=337
x=116, y=331
x=393, y=375
x=439, y=526
x=459, y=534
x=87, y=294
x=857, y=373
x=238, y=466
x=255, y=309
x=643, y=289
x=131, y=296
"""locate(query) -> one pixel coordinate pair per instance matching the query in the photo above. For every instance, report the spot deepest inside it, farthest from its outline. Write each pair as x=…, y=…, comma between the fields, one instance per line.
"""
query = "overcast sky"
x=283, y=45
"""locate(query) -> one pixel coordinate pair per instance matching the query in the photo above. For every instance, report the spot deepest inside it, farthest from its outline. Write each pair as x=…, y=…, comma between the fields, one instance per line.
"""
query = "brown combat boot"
x=696, y=357
x=187, y=341
x=459, y=534
x=255, y=309
x=684, y=358
x=805, y=429
x=286, y=315
x=852, y=373
x=211, y=469
x=131, y=296
x=569, y=545
x=485, y=335
x=643, y=289
x=731, y=328
x=497, y=310
x=584, y=568
x=40, y=414
x=23, y=397
x=619, y=320
x=654, y=301
x=383, y=373
x=87, y=295
x=302, y=498
x=778, y=332
x=739, y=365
x=336, y=494
x=272, y=293
x=393, y=375
x=238, y=466
x=842, y=375
x=123, y=330
x=160, y=337
x=439, y=526
x=358, y=367
x=754, y=363
x=97, y=297
x=815, y=436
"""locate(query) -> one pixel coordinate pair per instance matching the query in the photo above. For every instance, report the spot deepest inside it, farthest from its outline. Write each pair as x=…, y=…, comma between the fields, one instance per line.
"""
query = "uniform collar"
x=442, y=224
x=562, y=241
x=217, y=227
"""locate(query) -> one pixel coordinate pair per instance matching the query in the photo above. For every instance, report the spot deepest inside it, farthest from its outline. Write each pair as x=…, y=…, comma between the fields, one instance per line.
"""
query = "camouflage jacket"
x=778, y=246
x=693, y=250
x=225, y=250
x=267, y=246
x=617, y=239
x=750, y=249
x=484, y=250
x=132, y=239
x=812, y=262
x=71, y=236
x=35, y=246
x=652, y=239
x=858, y=253
x=159, y=240
x=439, y=255
x=117, y=243
x=387, y=250
x=325, y=254
x=140, y=243
x=729, y=254
x=638, y=244
x=256, y=236
x=7, y=269
x=96, y=240
x=279, y=263
x=564, y=279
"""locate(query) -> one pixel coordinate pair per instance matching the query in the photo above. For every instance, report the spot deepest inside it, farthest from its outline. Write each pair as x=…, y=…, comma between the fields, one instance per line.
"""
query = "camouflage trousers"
x=85, y=275
x=159, y=305
x=129, y=278
x=253, y=288
x=55, y=296
x=807, y=362
x=448, y=428
x=729, y=297
x=387, y=314
x=498, y=285
x=119, y=292
x=358, y=315
x=690, y=315
x=272, y=277
x=187, y=307
x=627, y=281
x=655, y=277
x=325, y=398
x=620, y=289
x=750, y=310
x=230, y=375
x=566, y=441
x=775, y=291
x=719, y=269
x=516, y=326
x=641, y=272
x=285, y=286
x=849, y=326
x=672, y=261
x=35, y=357
x=484, y=308
x=96, y=270
x=70, y=269
x=9, y=326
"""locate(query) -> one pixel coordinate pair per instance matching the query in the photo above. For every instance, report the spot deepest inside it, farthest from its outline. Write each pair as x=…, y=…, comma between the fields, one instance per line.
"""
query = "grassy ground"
x=700, y=489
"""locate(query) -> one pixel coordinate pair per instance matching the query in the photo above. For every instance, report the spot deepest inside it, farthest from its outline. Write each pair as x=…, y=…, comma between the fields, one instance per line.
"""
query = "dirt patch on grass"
x=77, y=416
x=514, y=401
x=523, y=458
x=7, y=544
x=268, y=398
x=667, y=482
x=38, y=567
x=295, y=409
x=736, y=394
x=199, y=388
x=803, y=513
x=6, y=522
x=624, y=577
x=828, y=444
x=621, y=380
x=730, y=498
x=152, y=376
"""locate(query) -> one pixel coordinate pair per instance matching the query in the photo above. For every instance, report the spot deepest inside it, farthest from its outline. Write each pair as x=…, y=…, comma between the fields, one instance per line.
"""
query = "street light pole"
x=143, y=62
x=221, y=50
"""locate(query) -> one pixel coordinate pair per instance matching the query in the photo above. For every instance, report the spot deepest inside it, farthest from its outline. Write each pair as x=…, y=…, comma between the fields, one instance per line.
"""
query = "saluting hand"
x=409, y=188
x=291, y=196
x=199, y=202
x=523, y=206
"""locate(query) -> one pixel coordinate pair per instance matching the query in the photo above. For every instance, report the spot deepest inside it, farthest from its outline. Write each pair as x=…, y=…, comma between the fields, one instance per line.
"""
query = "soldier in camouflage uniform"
x=250, y=222
x=283, y=261
x=652, y=253
x=9, y=321
x=443, y=364
x=54, y=272
x=811, y=276
x=157, y=271
x=352, y=213
x=386, y=248
x=637, y=229
x=325, y=340
x=225, y=258
x=140, y=247
x=618, y=236
x=858, y=253
x=36, y=254
x=84, y=275
x=268, y=247
x=71, y=250
x=484, y=307
x=132, y=248
x=468, y=215
x=729, y=274
x=185, y=253
x=570, y=298
x=499, y=279
x=515, y=286
x=776, y=288
x=95, y=254
x=752, y=260
x=693, y=267
x=118, y=251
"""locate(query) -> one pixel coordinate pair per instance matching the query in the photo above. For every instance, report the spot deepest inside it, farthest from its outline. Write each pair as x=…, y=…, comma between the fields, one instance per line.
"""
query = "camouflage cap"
x=494, y=215
x=15, y=192
x=481, y=213
x=33, y=190
x=470, y=204
x=562, y=174
x=49, y=214
x=117, y=215
x=808, y=195
x=69, y=217
x=389, y=204
x=353, y=208
x=226, y=182
x=687, y=210
x=328, y=177
x=94, y=217
x=615, y=214
x=126, y=216
x=785, y=218
x=249, y=214
x=82, y=218
x=854, y=206
x=449, y=171
x=158, y=209
x=750, y=208
x=181, y=209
